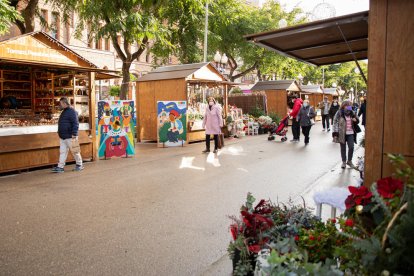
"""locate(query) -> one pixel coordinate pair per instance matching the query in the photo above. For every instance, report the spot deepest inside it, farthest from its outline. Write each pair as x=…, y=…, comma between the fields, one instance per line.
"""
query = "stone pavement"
x=163, y=212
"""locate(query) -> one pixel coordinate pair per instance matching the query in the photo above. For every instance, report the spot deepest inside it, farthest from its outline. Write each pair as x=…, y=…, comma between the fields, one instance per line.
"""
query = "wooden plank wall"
x=390, y=101
x=148, y=93
x=35, y=150
x=248, y=102
x=277, y=102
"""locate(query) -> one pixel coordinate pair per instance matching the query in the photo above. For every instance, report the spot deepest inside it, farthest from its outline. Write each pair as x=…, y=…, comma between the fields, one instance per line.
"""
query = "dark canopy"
x=329, y=41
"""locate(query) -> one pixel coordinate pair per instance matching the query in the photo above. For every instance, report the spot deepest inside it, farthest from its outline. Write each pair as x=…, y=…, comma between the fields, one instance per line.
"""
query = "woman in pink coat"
x=212, y=123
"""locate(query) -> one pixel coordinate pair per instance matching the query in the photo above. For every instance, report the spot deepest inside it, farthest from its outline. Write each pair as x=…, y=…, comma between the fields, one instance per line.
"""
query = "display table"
x=9, y=131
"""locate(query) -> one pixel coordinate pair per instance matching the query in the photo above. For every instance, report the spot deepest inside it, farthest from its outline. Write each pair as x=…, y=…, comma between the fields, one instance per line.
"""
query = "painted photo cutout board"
x=116, y=129
x=172, y=123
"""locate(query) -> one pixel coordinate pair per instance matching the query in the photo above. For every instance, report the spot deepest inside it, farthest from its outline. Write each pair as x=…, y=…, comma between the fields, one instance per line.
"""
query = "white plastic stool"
x=334, y=197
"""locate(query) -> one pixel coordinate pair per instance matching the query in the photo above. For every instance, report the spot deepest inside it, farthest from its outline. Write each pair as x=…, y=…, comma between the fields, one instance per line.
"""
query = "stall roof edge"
x=176, y=72
x=274, y=85
x=320, y=42
x=51, y=39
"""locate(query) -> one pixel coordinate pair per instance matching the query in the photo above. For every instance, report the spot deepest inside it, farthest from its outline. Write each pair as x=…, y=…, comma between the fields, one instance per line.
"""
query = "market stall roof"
x=313, y=88
x=290, y=85
x=193, y=72
x=40, y=49
x=330, y=91
x=323, y=42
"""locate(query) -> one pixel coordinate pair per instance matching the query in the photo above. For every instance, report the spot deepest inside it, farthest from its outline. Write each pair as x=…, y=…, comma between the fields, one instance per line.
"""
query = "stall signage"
x=29, y=48
x=34, y=53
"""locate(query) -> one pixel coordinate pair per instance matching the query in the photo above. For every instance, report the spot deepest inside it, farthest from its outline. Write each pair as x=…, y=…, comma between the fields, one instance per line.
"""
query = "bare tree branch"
x=141, y=49
x=245, y=71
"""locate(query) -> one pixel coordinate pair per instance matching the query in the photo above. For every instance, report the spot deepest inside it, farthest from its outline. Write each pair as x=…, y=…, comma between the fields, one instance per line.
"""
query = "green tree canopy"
x=8, y=15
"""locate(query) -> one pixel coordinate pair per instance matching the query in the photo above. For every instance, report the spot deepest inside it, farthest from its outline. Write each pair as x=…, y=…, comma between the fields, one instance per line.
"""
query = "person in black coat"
x=334, y=108
x=68, y=126
x=363, y=112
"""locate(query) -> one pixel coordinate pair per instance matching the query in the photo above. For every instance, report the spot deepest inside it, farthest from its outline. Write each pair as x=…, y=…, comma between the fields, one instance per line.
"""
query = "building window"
x=55, y=26
x=148, y=57
x=44, y=20
x=107, y=44
x=98, y=44
x=67, y=33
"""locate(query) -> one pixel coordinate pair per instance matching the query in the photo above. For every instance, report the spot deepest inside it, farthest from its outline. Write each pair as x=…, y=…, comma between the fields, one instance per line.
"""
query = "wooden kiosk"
x=193, y=83
x=332, y=93
x=314, y=93
x=35, y=72
x=277, y=93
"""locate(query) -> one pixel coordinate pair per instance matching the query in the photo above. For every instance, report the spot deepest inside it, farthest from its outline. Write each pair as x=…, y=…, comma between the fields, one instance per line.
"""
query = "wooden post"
x=376, y=90
x=92, y=107
x=137, y=113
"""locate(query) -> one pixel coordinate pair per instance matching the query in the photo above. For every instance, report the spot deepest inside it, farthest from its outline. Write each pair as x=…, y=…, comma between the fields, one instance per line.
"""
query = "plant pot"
x=236, y=259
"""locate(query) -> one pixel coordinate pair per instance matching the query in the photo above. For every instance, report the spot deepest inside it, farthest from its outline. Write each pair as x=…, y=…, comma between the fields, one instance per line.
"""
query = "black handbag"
x=357, y=128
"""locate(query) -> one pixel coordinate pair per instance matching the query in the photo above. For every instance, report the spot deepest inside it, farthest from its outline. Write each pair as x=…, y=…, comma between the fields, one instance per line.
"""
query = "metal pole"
x=353, y=54
x=206, y=33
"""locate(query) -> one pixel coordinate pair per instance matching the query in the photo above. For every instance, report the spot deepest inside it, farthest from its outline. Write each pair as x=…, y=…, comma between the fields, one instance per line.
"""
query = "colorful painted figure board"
x=172, y=123
x=116, y=129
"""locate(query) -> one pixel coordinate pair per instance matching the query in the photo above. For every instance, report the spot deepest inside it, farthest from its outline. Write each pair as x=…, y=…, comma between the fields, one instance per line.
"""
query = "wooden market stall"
x=193, y=83
x=331, y=92
x=314, y=93
x=35, y=72
x=278, y=94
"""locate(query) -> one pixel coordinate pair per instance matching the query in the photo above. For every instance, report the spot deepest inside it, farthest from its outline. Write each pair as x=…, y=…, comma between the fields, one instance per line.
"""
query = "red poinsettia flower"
x=387, y=187
x=349, y=222
x=254, y=248
x=359, y=196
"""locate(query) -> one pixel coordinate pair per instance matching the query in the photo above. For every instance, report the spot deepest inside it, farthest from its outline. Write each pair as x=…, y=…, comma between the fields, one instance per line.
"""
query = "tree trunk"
x=29, y=15
x=125, y=79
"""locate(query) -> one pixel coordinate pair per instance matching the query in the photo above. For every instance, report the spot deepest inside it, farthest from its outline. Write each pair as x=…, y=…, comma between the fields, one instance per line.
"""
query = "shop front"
x=191, y=84
x=35, y=72
x=279, y=95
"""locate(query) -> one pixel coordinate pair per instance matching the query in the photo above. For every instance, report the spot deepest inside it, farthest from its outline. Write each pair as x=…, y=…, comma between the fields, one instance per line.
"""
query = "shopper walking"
x=306, y=117
x=363, y=112
x=325, y=106
x=297, y=104
x=334, y=108
x=212, y=123
x=345, y=129
x=68, y=126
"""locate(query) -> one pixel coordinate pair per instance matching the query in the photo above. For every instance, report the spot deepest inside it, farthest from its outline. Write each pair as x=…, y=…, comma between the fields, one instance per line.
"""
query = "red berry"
x=333, y=221
x=311, y=237
x=296, y=238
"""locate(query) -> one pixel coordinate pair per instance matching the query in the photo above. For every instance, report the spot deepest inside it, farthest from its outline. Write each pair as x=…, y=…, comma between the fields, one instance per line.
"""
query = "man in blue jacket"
x=68, y=126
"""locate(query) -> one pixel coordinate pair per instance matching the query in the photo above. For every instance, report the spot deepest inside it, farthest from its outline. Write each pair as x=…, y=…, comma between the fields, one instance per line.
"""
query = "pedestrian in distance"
x=363, y=112
x=212, y=123
x=306, y=117
x=68, y=126
x=325, y=106
x=346, y=129
x=297, y=104
x=334, y=108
